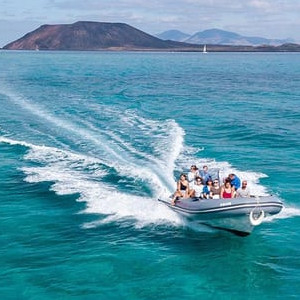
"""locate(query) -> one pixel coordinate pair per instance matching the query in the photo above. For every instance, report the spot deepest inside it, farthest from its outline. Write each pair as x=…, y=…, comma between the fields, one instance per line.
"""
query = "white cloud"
x=260, y=4
x=251, y=17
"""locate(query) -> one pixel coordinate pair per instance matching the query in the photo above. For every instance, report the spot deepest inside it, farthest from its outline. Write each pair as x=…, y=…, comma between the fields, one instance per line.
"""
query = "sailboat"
x=204, y=49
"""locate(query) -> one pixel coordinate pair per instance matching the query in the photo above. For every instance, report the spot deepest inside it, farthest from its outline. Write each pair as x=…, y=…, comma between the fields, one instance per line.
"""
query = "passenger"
x=227, y=191
x=243, y=191
x=192, y=174
x=235, y=181
x=197, y=190
x=183, y=189
x=207, y=189
x=215, y=189
x=204, y=174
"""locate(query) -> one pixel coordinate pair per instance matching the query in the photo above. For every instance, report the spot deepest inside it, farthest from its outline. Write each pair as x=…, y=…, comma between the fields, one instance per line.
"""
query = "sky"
x=263, y=18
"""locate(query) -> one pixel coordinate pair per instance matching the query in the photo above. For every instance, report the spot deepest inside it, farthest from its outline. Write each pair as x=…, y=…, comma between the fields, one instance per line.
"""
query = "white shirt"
x=243, y=192
x=192, y=175
x=198, y=189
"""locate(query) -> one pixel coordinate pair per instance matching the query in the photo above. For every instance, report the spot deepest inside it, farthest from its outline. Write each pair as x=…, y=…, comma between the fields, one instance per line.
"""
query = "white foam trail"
x=166, y=141
x=46, y=154
x=70, y=127
x=72, y=173
x=122, y=160
x=67, y=172
x=144, y=210
x=167, y=148
x=286, y=213
x=102, y=198
x=14, y=142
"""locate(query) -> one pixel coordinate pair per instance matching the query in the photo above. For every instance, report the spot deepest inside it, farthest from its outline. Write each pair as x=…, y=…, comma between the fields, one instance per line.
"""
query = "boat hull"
x=238, y=215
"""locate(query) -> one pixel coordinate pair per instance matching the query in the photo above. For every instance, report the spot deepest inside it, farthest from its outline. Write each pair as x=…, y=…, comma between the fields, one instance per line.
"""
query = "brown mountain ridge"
x=85, y=35
x=92, y=36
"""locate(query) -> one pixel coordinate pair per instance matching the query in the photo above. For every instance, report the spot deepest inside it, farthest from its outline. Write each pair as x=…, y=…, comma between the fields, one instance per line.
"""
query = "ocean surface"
x=90, y=140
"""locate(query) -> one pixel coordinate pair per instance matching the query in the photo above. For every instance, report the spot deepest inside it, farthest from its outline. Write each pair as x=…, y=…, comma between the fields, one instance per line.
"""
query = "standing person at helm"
x=204, y=174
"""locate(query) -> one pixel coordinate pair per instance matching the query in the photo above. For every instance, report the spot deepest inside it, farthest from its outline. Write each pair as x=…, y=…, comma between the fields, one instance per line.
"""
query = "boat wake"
x=286, y=213
x=72, y=173
x=119, y=163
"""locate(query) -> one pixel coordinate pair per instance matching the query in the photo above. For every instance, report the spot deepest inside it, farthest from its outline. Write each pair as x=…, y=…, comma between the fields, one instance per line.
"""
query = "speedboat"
x=237, y=215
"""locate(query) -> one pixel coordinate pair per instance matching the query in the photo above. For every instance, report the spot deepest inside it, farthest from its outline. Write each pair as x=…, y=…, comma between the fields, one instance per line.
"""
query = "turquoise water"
x=88, y=141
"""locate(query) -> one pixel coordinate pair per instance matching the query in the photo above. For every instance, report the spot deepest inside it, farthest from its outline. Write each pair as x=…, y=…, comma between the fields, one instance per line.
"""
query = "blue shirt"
x=236, y=182
x=205, y=176
x=206, y=191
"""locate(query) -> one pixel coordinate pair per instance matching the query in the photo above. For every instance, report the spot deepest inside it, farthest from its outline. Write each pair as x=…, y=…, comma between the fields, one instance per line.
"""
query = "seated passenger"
x=215, y=189
x=197, y=190
x=192, y=174
x=204, y=174
x=235, y=181
x=243, y=191
x=207, y=189
x=183, y=189
x=227, y=191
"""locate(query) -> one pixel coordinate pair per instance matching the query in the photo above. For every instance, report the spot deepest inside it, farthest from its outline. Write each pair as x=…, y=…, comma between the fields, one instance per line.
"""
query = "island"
x=103, y=36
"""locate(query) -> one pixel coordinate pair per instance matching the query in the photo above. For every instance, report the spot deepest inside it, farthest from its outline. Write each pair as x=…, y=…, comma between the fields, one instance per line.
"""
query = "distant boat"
x=204, y=49
x=37, y=48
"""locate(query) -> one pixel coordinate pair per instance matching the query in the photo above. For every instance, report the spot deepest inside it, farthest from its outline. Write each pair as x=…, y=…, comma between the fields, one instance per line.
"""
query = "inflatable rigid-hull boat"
x=238, y=215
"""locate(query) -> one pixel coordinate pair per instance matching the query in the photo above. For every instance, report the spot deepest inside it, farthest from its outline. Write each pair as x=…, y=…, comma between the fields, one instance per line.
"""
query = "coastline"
x=210, y=48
